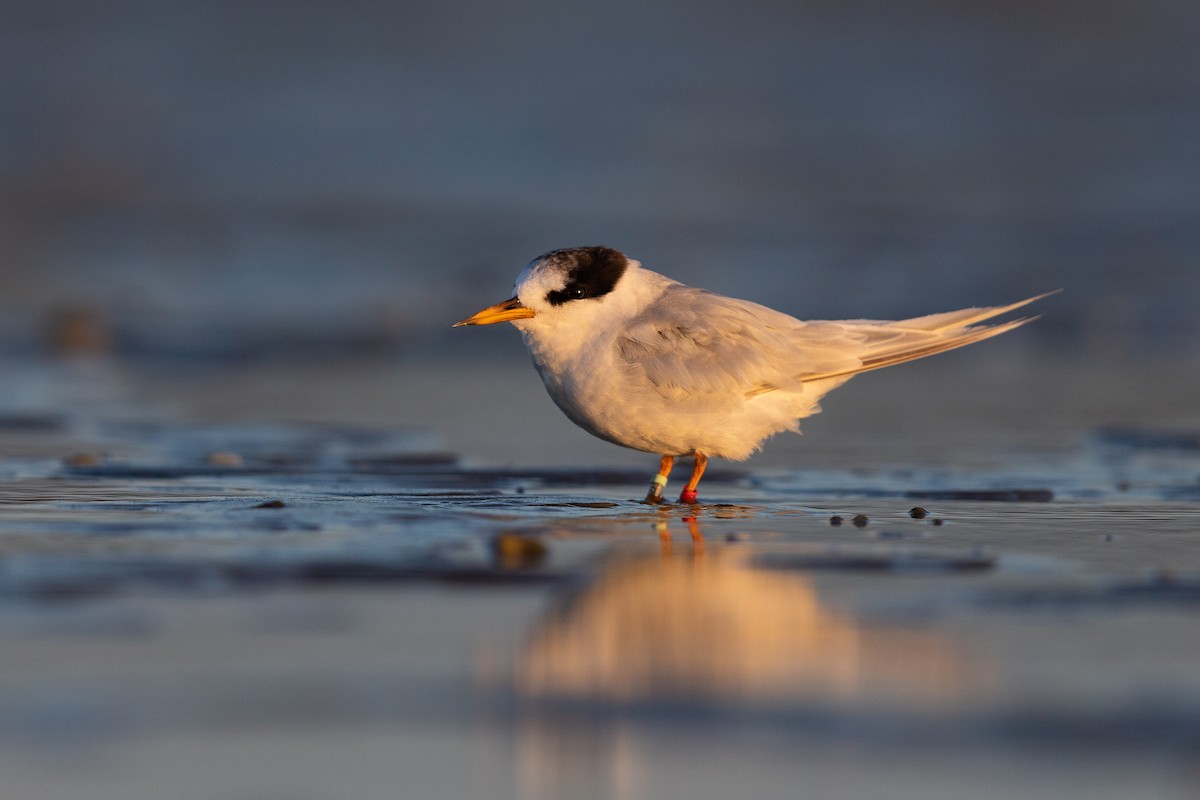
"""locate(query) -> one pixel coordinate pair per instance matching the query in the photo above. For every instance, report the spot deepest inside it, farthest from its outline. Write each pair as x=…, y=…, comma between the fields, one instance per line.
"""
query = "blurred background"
x=365, y=172
x=190, y=185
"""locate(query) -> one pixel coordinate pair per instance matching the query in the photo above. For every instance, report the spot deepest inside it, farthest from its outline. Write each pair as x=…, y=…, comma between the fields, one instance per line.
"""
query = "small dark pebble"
x=936, y=521
x=735, y=537
x=1108, y=537
x=860, y=520
x=272, y=504
x=835, y=520
x=917, y=512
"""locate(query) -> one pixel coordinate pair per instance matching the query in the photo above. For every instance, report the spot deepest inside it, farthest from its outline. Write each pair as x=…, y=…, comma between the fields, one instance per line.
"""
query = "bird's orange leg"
x=688, y=495
x=654, y=496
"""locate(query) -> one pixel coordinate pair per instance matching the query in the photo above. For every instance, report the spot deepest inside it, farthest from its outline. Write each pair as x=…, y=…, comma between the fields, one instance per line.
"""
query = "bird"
x=644, y=361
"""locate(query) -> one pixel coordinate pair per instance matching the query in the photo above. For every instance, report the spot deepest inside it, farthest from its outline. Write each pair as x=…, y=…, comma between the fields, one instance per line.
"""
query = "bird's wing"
x=691, y=343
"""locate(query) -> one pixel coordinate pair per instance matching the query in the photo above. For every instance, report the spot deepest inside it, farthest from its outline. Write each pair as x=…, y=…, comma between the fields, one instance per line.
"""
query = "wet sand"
x=199, y=600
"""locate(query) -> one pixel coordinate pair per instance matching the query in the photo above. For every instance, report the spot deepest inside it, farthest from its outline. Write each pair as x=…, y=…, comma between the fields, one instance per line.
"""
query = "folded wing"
x=693, y=343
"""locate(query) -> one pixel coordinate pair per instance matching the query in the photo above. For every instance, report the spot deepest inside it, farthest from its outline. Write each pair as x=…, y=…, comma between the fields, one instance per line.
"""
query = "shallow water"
x=342, y=609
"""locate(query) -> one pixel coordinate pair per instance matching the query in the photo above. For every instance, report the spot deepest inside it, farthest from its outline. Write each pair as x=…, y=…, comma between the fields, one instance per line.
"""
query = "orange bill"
x=510, y=309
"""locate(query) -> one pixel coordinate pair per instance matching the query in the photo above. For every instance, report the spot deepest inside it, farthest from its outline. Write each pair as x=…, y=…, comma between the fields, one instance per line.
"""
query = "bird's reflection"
x=696, y=625
x=706, y=625
x=666, y=542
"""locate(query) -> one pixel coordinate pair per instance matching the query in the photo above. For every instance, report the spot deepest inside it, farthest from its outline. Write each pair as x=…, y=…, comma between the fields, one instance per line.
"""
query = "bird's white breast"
x=577, y=358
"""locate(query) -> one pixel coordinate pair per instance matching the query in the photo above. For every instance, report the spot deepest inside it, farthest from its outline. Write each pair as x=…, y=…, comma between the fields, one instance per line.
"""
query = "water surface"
x=344, y=608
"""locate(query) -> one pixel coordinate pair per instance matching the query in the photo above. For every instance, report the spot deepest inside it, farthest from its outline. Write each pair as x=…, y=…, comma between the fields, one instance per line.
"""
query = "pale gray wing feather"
x=693, y=343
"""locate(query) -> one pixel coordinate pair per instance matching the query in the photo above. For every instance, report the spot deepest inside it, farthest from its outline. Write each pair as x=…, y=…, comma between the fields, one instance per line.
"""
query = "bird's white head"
x=560, y=286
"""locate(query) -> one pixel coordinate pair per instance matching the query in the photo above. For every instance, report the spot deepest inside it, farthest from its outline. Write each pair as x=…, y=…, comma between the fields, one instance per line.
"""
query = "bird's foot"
x=654, y=495
x=688, y=496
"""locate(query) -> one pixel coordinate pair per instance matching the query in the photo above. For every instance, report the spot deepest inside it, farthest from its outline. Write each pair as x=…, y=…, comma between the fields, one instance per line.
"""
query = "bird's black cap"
x=591, y=272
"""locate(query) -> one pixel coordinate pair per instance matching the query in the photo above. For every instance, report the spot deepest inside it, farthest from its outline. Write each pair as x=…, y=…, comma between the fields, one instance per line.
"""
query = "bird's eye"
x=572, y=291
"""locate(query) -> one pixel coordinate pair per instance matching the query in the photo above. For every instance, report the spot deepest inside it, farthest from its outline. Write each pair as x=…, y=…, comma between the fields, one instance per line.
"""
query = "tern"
x=646, y=362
